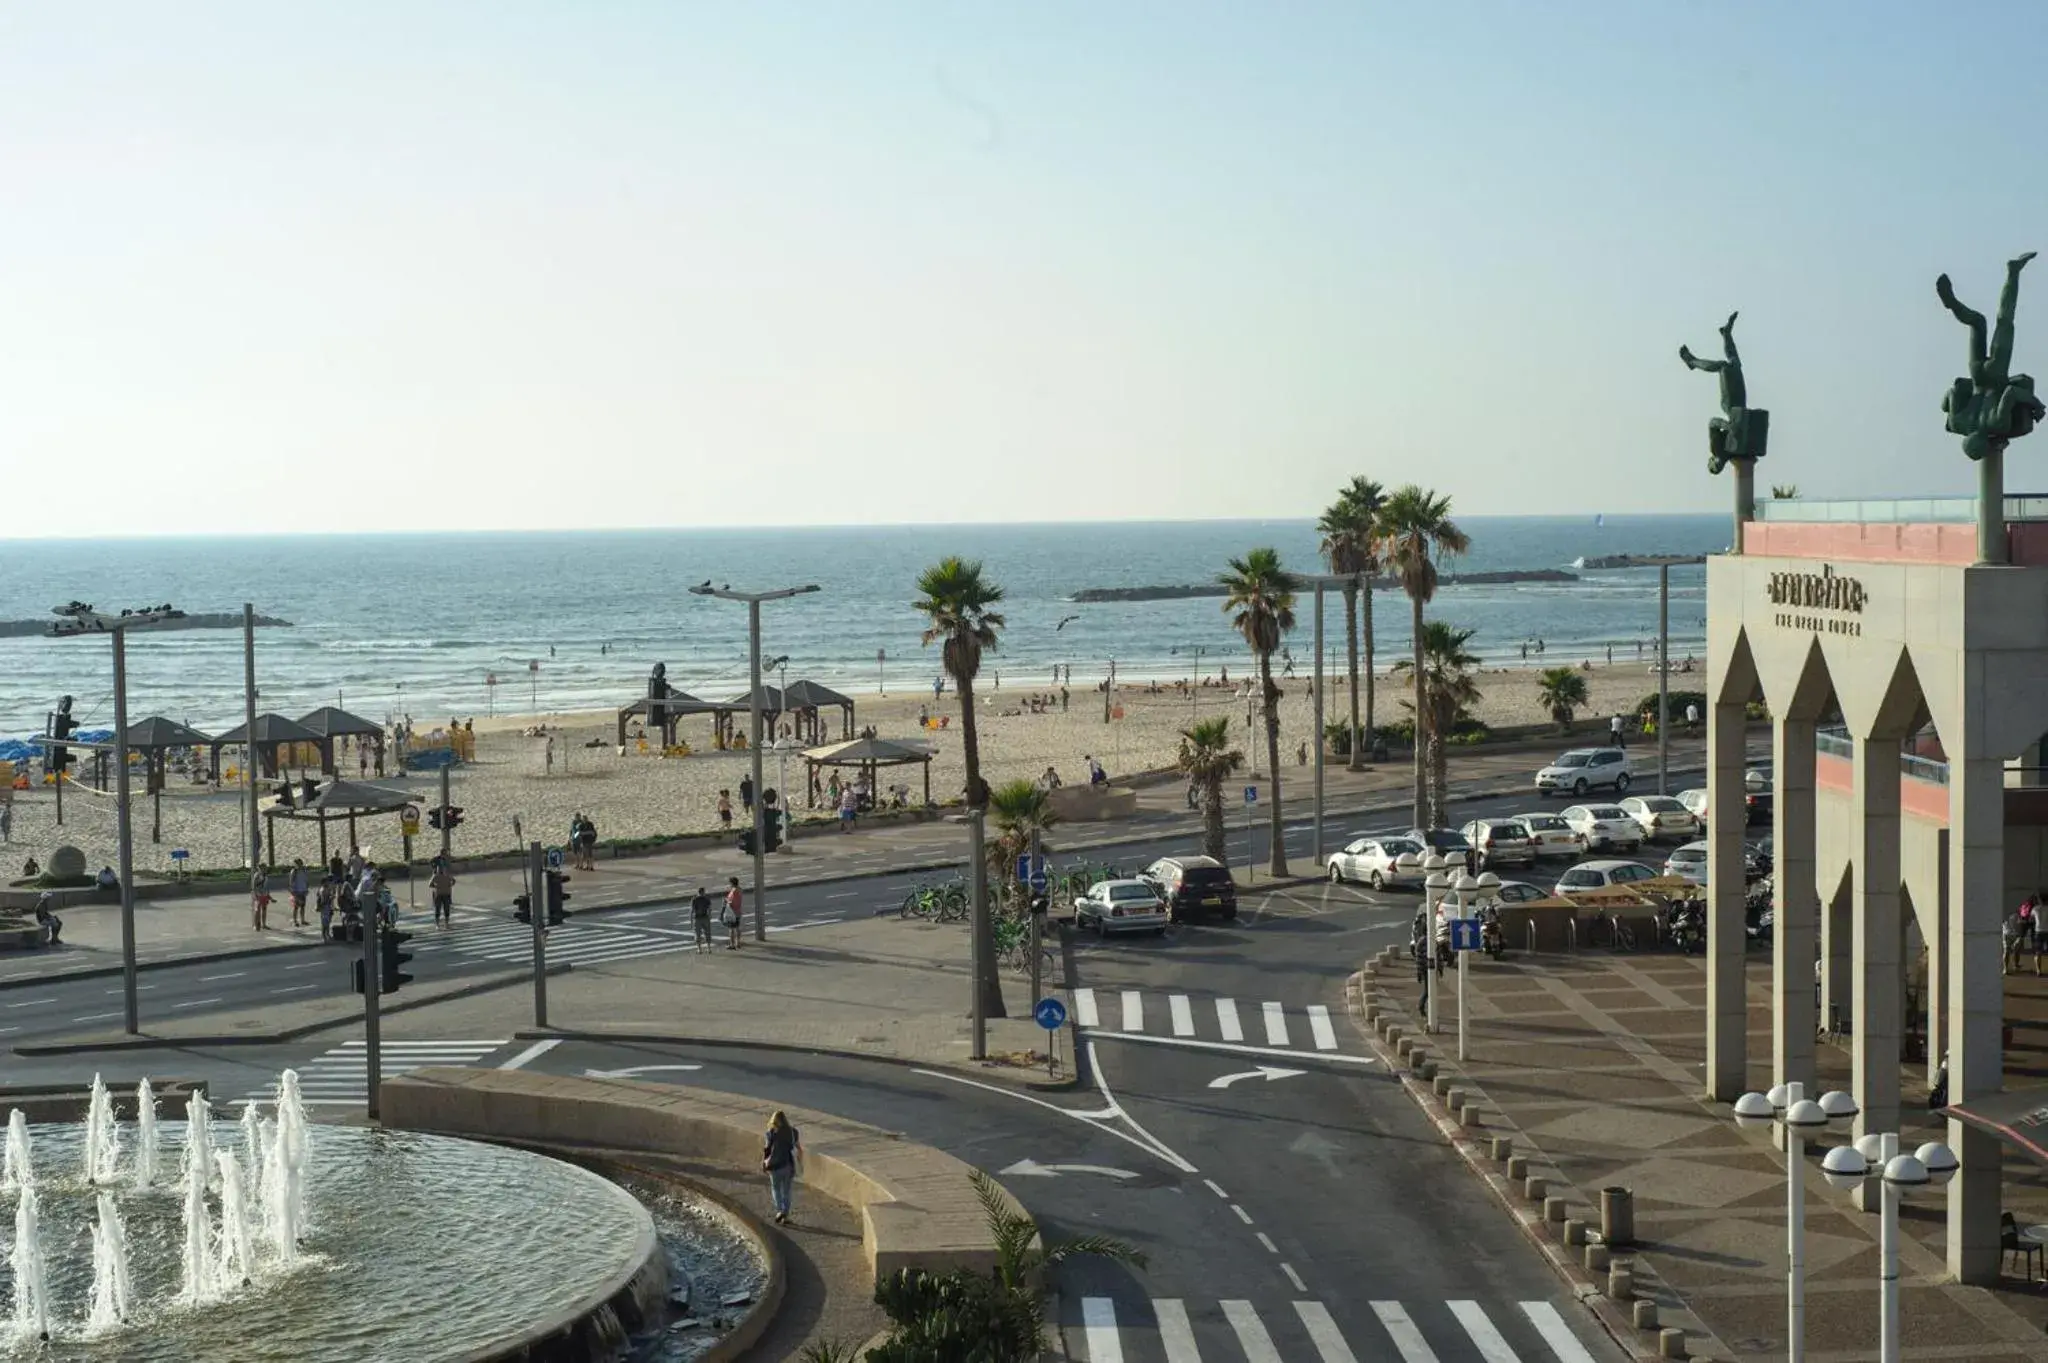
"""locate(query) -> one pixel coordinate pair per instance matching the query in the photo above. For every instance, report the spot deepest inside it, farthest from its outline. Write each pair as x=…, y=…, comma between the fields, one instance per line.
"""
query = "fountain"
x=17, y=1170
x=312, y=1244
x=145, y=1135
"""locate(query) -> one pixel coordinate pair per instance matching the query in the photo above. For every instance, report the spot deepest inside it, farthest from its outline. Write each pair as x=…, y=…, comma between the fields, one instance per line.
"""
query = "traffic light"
x=309, y=791
x=747, y=841
x=388, y=944
x=522, y=907
x=284, y=794
x=454, y=815
x=355, y=975
x=62, y=726
x=434, y=817
x=771, y=828
x=557, y=897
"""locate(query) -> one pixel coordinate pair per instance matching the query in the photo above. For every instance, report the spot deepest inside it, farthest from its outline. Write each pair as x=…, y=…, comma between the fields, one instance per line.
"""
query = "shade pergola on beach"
x=869, y=754
x=350, y=800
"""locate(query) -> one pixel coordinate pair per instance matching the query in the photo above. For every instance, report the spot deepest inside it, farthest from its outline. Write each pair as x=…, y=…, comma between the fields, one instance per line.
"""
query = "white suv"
x=1584, y=769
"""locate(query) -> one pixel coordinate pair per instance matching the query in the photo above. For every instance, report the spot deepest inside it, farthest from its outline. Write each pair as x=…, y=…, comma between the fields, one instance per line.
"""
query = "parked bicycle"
x=943, y=901
x=1620, y=936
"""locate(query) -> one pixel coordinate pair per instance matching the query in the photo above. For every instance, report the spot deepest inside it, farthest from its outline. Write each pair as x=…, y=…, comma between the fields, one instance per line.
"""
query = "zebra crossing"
x=341, y=1077
x=1172, y=1330
x=574, y=942
x=1268, y=1022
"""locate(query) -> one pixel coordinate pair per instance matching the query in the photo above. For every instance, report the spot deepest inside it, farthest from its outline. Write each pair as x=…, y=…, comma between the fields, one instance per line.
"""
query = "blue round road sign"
x=554, y=858
x=1051, y=1014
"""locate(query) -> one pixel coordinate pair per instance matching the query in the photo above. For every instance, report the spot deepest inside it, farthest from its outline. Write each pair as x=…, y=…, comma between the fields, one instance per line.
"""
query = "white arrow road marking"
x=635, y=1071
x=1112, y=1111
x=1267, y=1072
x=1031, y=1168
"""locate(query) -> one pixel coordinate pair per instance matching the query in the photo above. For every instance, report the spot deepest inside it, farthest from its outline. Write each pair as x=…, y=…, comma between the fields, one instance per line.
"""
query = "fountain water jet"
x=235, y=1266
x=198, y=1281
x=110, y=1283
x=199, y=1137
x=102, y=1135
x=31, y=1292
x=146, y=1138
x=18, y=1169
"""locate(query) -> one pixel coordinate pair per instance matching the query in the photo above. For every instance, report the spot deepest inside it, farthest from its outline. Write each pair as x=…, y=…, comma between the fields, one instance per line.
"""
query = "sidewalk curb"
x=488, y=984
x=985, y=1073
x=1606, y=1313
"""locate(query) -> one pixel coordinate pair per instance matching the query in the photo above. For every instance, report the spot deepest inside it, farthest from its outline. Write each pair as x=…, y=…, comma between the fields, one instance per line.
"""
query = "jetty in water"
x=16, y=629
x=1175, y=592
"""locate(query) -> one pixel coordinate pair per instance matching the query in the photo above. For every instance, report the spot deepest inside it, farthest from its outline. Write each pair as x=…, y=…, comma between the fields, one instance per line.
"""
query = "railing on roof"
x=1897, y=510
x=1835, y=742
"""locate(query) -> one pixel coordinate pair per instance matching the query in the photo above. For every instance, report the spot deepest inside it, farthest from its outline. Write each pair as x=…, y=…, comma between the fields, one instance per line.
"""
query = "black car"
x=1447, y=843
x=1193, y=885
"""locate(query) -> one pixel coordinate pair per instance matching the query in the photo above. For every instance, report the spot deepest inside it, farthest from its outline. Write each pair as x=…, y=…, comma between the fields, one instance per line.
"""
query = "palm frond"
x=1098, y=1247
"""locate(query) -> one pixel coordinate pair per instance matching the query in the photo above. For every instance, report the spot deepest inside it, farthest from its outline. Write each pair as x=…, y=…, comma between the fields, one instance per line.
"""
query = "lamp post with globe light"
x=1802, y=1118
x=1876, y=1155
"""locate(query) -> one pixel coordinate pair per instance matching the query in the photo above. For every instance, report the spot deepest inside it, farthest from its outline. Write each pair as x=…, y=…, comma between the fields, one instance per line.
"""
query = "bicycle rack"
x=1571, y=933
x=1532, y=937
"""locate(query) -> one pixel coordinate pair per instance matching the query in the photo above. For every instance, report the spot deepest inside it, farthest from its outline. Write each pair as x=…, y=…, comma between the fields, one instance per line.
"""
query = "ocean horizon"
x=453, y=623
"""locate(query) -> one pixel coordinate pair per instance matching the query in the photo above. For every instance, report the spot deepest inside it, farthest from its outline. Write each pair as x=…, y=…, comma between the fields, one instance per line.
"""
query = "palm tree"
x=1448, y=692
x=1262, y=595
x=1415, y=533
x=1208, y=760
x=1021, y=811
x=956, y=602
x=1785, y=492
x=1347, y=528
x=1562, y=691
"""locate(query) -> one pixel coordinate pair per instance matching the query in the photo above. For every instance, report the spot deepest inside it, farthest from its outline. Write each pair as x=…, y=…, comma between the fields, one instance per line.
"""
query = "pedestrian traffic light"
x=453, y=817
x=747, y=841
x=522, y=907
x=388, y=944
x=771, y=828
x=434, y=816
x=62, y=726
x=557, y=896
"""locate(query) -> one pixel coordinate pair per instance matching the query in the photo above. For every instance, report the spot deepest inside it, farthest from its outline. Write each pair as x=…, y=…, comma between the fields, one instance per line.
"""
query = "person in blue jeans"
x=781, y=1149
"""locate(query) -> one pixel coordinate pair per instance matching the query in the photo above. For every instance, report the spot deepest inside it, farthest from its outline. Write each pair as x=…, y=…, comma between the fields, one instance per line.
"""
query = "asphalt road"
x=488, y=940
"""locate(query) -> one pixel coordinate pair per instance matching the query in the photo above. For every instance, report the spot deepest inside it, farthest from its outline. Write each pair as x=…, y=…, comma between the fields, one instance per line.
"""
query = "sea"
x=437, y=626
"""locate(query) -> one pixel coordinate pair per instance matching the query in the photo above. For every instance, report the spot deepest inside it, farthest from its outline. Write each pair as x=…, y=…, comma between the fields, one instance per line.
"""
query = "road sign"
x=1051, y=1014
x=1464, y=934
x=180, y=854
x=1030, y=870
x=1251, y=795
x=1038, y=883
x=554, y=859
x=409, y=821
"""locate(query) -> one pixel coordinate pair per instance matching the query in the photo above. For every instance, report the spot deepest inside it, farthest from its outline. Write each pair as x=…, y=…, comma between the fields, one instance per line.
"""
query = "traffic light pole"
x=537, y=892
x=123, y=831
x=1037, y=924
x=754, y=754
x=444, y=814
x=373, y=985
x=249, y=756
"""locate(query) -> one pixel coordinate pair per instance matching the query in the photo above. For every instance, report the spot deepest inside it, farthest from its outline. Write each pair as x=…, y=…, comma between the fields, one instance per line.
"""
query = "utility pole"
x=754, y=600
x=537, y=901
x=249, y=750
x=1108, y=689
x=373, y=985
x=977, y=909
x=444, y=814
x=1316, y=722
x=1664, y=678
x=123, y=832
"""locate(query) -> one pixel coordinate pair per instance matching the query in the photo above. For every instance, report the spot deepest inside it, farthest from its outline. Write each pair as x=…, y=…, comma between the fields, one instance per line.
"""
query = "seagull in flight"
x=1064, y=623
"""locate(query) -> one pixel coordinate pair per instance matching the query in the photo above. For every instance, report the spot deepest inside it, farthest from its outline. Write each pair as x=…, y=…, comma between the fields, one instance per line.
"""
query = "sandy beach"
x=640, y=794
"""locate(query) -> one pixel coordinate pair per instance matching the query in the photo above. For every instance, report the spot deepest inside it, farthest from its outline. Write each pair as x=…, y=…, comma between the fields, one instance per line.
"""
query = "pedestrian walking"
x=849, y=808
x=1692, y=717
x=327, y=891
x=589, y=843
x=1614, y=731
x=732, y=913
x=782, y=1153
x=300, y=885
x=6, y=821
x=700, y=918
x=259, y=899
x=747, y=795
x=725, y=809
x=443, y=888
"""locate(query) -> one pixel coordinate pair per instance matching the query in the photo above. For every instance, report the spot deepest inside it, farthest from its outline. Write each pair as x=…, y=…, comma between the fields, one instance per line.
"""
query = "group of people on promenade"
x=347, y=885
x=729, y=915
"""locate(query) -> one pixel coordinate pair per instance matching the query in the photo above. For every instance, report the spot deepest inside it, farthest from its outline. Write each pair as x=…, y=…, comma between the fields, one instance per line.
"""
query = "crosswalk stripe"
x=1098, y=1318
x=1492, y=1347
x=1276, y=1024
x=1251, y=1332
x=1226, y=1020
x=1323, y=1332
x=1084, y=1008
x=1134, y=1011
x=1183, y=1015
x=1555, y=1332
x=1402, y=1330
x=1175, y=1334
x=1319, y=1027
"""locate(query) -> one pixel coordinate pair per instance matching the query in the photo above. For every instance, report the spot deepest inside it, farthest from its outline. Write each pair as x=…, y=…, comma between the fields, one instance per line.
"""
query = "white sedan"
x=1121, y=906
x=1598, y=875
x=1550, y=835
x=1695, y=802
x=1604, y=828
x=1688, y=862
x=1660, y=816
x=1379, y=862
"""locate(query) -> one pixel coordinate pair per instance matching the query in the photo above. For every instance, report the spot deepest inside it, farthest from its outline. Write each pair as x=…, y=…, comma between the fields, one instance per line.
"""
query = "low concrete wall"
x=917, y=1206
x=1094, y=804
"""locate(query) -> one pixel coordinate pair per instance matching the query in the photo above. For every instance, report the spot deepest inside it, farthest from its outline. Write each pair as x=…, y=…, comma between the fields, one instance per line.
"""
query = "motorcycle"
x=1685, y=924
x=1491, y=940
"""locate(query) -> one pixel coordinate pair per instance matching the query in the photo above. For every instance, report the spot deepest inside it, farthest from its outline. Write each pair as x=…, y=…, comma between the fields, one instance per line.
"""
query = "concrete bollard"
x=1670, y=1343
x=1518, y=1167
x=1621, y=1282
x=1441, y=1085
x=1417, y=1058
x=1574, y=1232
x=1372, y=1012
x=1469, y=1115
x=1500, y=1148
x=1644, y=1314
x=1403, y=1046
x=1429, y=1070
x=1553, y=1209
x=1596, y=1258
x=1535, y=1188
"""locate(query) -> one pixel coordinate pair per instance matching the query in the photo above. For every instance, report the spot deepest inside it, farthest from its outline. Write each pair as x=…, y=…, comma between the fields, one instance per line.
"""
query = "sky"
x=402, y=266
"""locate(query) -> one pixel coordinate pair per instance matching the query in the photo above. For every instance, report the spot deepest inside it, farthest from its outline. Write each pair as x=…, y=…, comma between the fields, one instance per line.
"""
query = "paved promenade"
x=1592, y=1063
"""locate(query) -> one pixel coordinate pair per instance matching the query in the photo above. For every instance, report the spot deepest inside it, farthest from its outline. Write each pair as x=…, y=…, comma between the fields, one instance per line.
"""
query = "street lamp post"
x=1801, y=1117
x=1876, y=1155
x=754, y=600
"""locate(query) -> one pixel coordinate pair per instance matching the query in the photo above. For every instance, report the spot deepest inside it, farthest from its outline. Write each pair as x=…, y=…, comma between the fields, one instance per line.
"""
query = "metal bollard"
x=1670, y=1343
x=1618, y=1216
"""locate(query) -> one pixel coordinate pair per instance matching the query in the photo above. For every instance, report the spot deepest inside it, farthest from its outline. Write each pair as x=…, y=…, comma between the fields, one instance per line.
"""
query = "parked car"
x=1521, y=892
x=1695, y=802
x=1501, y=842
x=1604, y=828
x=1688, y=862
x=1447, y=843
x=1379, y=862
x=1121, y=906
x=1550, y=836
x=1595, y=875
x=1584, y=769
x=1191, y=885
x=1660, y=816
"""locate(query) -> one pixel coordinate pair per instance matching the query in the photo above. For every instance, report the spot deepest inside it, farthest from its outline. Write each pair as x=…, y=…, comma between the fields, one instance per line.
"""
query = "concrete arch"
x=1739, y=683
